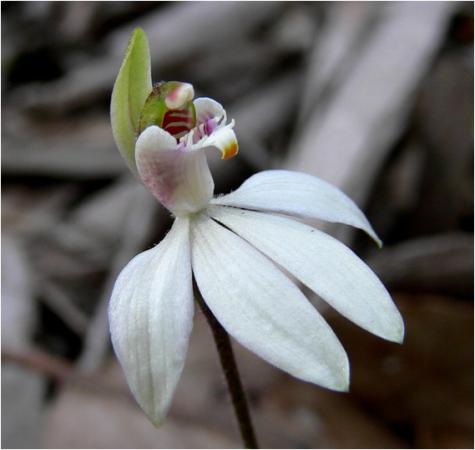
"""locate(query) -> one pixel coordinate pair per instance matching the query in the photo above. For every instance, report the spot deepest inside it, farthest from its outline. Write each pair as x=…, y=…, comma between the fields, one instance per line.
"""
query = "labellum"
x=170, y=107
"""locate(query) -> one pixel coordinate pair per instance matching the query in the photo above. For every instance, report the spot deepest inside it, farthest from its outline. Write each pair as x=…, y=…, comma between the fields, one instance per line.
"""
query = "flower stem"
x=230, y=369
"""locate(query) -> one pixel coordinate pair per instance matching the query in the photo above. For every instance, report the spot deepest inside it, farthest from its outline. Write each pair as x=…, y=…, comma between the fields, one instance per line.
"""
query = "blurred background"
x=376, y=98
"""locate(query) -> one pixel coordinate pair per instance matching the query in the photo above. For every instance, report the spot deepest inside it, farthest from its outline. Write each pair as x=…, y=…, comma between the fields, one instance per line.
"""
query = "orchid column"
x=233, y=246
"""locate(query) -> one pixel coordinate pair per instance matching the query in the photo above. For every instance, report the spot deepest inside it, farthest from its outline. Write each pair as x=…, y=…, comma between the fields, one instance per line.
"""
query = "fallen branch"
x=347, y=143
x=59, y=370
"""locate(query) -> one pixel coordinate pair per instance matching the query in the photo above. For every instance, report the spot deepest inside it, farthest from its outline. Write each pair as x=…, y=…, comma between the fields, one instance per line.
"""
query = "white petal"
x=297, y=193
x=178, y=177
x=150, y=316
x=210, y=113
x=262, y=309
x=207, y=108
x=224, y=140
x=324, y=264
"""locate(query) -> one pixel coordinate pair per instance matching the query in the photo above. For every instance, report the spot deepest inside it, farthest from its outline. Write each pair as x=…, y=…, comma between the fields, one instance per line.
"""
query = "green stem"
x=230, y=369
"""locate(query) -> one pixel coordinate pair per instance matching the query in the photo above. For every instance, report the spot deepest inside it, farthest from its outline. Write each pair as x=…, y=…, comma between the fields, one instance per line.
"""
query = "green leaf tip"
x=131, y=89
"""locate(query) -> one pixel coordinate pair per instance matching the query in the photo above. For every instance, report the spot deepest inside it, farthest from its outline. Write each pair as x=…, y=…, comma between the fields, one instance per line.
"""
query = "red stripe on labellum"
x=182, y=115
x=177, y=131
x=170, y=116
x=178, y=122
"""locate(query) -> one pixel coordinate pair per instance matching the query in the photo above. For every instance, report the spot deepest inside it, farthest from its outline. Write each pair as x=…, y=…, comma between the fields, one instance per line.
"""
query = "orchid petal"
x=207, y=108
x=131, y=89
x=262, y=309
x=299, y=194
x=150, y=315
x=322, y=263
x=224, y=140
x=177, y=176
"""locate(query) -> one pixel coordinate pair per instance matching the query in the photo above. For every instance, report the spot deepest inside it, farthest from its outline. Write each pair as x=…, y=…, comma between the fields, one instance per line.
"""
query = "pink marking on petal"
x=160, y=172
x=210, y=125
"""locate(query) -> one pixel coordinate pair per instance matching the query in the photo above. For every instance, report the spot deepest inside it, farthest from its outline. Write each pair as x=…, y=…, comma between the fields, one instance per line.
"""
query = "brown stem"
x=59, y=370
x=230, y=369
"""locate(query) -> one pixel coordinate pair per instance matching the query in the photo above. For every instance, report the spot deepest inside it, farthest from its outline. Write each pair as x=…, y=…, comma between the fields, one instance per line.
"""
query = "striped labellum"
x=170, y=106
x=178, y=122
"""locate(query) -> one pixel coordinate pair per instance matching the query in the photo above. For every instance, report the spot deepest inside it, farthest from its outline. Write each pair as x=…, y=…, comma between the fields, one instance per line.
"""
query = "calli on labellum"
x=233, y=245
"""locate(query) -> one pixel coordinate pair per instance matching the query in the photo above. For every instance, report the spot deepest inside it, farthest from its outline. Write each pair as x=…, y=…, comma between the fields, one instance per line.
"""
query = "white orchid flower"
x=234, y=246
